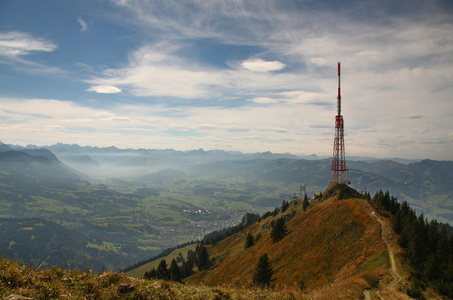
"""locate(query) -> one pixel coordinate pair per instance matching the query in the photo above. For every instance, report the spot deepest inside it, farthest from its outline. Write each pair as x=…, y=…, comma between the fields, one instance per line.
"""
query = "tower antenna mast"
x=339, y=170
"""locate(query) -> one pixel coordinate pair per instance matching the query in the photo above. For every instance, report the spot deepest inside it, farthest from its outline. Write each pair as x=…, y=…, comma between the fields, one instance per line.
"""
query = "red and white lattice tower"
x=339, y=170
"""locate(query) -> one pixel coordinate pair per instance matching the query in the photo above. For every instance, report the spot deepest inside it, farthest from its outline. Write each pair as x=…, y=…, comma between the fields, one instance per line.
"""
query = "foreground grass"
x=56, y=283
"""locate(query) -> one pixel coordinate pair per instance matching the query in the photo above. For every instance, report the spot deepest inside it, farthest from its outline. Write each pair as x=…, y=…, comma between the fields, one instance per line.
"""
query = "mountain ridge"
x=335, y=245
x=308, y=233
x=36, y=168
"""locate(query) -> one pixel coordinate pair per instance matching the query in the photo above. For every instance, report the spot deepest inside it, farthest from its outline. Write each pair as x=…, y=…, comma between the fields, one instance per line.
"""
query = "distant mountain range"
x=427, y=185
x=115, y=162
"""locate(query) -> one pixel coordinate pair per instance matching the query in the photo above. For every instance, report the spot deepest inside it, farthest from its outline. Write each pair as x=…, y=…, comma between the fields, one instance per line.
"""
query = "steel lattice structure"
x=339, y=170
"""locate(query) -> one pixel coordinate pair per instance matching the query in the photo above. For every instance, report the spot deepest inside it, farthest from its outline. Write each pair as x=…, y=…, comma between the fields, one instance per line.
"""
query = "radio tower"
x=339, y=171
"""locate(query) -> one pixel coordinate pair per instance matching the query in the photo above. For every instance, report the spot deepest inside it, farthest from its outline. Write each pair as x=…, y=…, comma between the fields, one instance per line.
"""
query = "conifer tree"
x=162, y=271
x=201, y=256
x=186, y=268
x=285, y=205
x=249, y=241
x=305, y=203
x=301, y=285
x=175, y=272
x=263, y=272
x=150, y=274
x=279, y=230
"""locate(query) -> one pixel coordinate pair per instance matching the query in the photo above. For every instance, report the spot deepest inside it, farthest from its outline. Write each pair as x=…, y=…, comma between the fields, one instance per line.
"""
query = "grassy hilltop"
x=334, y=240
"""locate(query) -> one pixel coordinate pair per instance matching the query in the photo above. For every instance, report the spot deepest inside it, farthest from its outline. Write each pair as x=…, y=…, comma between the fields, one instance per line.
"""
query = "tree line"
x=198, y=258
x=428, y=245
x=160, y=255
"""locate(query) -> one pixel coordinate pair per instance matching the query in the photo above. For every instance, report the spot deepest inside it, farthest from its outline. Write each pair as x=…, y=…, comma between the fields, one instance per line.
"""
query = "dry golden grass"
x=55, y=283
x=329, y=243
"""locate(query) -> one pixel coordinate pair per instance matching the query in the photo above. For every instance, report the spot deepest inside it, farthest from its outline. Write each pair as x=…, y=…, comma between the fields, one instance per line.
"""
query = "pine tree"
x=175, y=272
x=305, y=203
x=201, y=256
x=150, y=274
x=285, y=205
x=301, y=285
x=162, y=271
x=186, y=268
x=263, y=272
x=279, y=230
x=249, y=241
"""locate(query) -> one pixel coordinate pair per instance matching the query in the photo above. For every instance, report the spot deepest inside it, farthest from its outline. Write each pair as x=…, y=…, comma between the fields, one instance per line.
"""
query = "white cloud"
x=197, y=19
x=104, y=89
x=264, y=100
x=290, y=126
x=260, y=65
x=14, y=44
x=83, y=24
x=157, y=71
x=160, y=70
x=46, y=121
x=135, y=125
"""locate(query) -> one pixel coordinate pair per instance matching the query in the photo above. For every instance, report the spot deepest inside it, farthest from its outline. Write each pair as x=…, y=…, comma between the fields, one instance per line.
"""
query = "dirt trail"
x=388, y=238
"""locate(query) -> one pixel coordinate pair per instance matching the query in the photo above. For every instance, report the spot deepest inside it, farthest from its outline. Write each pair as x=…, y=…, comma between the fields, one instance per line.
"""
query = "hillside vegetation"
x=56, y=283
x=335, y=246
x=332, y=241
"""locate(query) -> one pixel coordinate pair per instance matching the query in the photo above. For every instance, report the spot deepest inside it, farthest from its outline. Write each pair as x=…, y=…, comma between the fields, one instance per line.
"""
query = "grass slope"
x=333, y=242
x=56, y=283
x=140, y=271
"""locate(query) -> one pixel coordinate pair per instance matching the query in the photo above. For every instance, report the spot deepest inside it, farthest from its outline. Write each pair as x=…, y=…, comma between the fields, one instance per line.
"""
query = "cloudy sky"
x=235, y=75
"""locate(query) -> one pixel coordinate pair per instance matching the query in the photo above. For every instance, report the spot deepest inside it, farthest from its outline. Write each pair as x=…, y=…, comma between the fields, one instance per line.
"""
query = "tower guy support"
x=339, y=170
